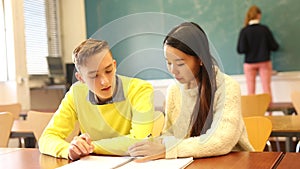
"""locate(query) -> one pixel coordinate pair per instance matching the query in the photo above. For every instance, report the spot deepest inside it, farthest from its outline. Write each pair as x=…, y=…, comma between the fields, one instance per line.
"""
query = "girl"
x=256, y=41
x=203, y=112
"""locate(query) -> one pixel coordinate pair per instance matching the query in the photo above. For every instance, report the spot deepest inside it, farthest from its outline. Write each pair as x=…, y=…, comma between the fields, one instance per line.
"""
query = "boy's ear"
x=115, y=65
x=79, y=77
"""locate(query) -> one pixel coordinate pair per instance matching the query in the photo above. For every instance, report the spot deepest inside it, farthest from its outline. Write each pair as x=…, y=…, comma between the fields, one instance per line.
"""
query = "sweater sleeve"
x=272, y=44
x=242, y=46
x=225, y=131
x=52, y=141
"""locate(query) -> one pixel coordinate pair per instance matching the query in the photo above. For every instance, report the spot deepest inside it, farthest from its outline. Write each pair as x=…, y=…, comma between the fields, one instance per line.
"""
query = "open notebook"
x=109, y=162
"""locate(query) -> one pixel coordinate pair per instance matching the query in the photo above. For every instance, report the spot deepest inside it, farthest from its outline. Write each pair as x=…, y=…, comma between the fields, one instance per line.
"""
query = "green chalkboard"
x=140, y=54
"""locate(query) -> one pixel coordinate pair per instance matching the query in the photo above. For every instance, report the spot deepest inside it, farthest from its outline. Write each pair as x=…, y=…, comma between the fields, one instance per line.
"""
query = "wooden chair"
x=159, y=121
x=259, y=129
x=14, y=108
x=295, y=97
x=6, y=122
x=39, y=121
x=255, y=105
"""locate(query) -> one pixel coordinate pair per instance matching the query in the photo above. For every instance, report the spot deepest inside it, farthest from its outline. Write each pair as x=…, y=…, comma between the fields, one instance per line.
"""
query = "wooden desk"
x=22, y=129
x=51, y=87
x=31, y=158
x=286, y=126
x=7, y=150
x=290, y=161
x=286, y=107
x=245, y=160
x=26, y=158
x=41, y=95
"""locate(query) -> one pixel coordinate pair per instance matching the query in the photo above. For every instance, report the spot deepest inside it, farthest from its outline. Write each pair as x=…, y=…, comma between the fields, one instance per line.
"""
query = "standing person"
x=256, y=42
x=113, y=111
x=203, y=111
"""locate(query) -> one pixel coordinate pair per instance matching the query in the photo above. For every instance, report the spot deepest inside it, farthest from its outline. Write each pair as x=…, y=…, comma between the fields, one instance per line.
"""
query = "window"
x=3, y=60
x=41, y=34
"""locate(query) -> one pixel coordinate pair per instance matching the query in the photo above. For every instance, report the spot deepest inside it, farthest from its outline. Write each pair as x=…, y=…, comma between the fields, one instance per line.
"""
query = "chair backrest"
x=14, y=108
x=6, y=122
x=295, y=97
x=159, y=120
x=39, y=121
x=259, y=129
x=255, y=105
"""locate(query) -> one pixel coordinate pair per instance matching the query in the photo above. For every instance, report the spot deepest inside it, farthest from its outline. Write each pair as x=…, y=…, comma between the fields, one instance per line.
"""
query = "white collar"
x=254, y=21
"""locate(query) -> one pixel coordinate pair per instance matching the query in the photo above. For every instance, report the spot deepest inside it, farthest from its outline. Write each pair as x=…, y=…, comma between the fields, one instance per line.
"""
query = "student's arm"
x=272, y=44
x=242, y=46
x=52, y=141
x=141, y=99
x=226, y=129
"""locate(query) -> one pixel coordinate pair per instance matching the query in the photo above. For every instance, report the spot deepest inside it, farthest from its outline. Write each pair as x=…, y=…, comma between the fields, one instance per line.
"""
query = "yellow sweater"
x=112, y=127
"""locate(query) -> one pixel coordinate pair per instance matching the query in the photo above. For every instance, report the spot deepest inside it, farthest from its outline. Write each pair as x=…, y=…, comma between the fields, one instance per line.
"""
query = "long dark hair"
x=190, y=38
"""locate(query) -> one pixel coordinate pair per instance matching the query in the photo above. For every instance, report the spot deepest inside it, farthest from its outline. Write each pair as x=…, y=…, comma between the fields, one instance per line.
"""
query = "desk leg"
x=288, y=144
x=30, y=142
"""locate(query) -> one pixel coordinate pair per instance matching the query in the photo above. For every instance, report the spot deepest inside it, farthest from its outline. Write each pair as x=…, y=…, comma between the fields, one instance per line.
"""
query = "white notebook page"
x=110, y=162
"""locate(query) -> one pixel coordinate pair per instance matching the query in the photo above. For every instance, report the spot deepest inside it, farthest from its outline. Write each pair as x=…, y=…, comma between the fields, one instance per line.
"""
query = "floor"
x=13, y=143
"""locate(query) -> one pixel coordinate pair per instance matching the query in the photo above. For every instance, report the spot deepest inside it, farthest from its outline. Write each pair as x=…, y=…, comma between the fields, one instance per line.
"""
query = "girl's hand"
x=149, y=158
x=150, y=150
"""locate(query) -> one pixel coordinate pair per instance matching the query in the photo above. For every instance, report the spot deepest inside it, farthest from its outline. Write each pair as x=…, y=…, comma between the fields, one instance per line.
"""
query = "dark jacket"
x=256, y=42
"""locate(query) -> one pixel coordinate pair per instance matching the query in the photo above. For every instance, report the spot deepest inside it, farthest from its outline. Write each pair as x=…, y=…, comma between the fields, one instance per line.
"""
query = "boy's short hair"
x=86, y=49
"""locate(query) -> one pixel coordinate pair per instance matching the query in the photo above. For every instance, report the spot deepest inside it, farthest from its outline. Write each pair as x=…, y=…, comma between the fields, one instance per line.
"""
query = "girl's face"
x=99, y=74
x=185, y=68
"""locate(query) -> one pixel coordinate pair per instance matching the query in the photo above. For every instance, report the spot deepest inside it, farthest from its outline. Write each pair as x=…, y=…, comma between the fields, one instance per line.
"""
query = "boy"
x=113, y=111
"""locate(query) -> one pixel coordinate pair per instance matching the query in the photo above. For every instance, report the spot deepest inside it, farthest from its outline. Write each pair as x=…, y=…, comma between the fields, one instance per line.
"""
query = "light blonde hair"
x=252, y=13
x=86, y=49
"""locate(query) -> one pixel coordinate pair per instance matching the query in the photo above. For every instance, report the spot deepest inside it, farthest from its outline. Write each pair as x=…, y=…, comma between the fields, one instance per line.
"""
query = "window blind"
x=41, y=34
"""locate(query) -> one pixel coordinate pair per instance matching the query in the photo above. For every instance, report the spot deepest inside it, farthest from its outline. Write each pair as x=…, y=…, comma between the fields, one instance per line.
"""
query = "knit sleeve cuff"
x=170, y=143
x=65, y=153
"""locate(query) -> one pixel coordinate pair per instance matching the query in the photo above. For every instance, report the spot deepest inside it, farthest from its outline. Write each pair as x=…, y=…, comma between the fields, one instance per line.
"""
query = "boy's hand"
x=80, y=146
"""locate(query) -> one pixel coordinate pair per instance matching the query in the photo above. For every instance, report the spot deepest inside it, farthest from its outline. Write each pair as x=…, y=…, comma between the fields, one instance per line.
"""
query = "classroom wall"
x=222, y=20
x=16, y=89
x=73, y=26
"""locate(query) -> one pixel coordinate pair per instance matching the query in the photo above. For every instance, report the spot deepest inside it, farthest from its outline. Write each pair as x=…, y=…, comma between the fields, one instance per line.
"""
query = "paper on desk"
x=109, y=162
x=96, y=162
x=178, y=163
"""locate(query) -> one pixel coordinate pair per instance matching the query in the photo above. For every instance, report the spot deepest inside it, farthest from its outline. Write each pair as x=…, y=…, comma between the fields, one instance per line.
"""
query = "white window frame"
x=3, y=54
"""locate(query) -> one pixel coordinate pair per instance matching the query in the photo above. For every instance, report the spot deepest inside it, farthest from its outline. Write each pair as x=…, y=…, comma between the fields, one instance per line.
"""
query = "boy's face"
x=99, y=74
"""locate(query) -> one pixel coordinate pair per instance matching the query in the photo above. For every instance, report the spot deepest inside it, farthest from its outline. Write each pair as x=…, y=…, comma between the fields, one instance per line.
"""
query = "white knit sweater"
x=227, y=132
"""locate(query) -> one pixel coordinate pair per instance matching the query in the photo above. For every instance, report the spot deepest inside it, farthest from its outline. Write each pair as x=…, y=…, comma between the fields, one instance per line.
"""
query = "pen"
x=125, y=162
x=150, y=137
